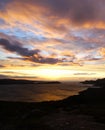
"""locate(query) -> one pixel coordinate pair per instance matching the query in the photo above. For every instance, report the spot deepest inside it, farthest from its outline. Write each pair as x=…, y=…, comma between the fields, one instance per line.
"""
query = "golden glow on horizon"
x=50, y=72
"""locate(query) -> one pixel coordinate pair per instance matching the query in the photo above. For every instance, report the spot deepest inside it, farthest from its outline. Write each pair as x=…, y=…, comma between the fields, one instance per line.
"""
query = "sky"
x=52, y=39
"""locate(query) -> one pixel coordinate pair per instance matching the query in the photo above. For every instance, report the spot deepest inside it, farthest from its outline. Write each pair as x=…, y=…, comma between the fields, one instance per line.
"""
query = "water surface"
x=39, y=92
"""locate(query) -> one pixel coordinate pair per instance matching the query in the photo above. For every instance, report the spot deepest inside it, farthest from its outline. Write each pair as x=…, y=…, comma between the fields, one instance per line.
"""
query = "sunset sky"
x=52, y=39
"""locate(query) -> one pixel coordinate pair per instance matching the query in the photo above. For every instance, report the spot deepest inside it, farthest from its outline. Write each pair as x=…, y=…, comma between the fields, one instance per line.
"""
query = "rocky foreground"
x=85, y=111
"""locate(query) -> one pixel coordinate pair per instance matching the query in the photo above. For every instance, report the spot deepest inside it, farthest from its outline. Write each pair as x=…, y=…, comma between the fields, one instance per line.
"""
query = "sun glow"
x=49, y=72
x=52, y=73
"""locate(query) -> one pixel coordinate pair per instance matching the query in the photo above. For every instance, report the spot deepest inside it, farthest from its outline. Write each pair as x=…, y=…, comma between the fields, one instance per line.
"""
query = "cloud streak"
x=31, y=55
x=17, y=48
x=84, y=74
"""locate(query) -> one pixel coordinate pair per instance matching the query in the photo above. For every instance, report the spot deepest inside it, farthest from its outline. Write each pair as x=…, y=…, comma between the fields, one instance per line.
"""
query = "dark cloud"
x=3, y=4
x=24, y=77
x=11, y=72
x=31, y=55
x=93, y=58
x=45, y=60
x=2, y=66
x=6, y=76
x=16, y=58
x=17, y=48
x=84, y=73
x=38, y=59
x=77, y=11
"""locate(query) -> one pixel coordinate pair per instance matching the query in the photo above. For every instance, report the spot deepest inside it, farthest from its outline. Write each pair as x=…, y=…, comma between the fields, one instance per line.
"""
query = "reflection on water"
x=39, y=92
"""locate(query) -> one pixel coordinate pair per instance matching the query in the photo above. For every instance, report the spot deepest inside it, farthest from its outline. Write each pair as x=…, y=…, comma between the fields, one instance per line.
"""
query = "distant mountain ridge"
x=98, y=82
x=21, y=81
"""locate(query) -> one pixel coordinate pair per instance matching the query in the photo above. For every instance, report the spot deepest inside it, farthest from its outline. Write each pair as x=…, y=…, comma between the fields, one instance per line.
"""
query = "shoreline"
x=39, y=92
x=84, y=111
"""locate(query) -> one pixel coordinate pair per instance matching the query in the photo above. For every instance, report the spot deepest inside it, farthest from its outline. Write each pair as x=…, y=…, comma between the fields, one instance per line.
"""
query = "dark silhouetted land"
x=20, y=81
x=85, y=111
